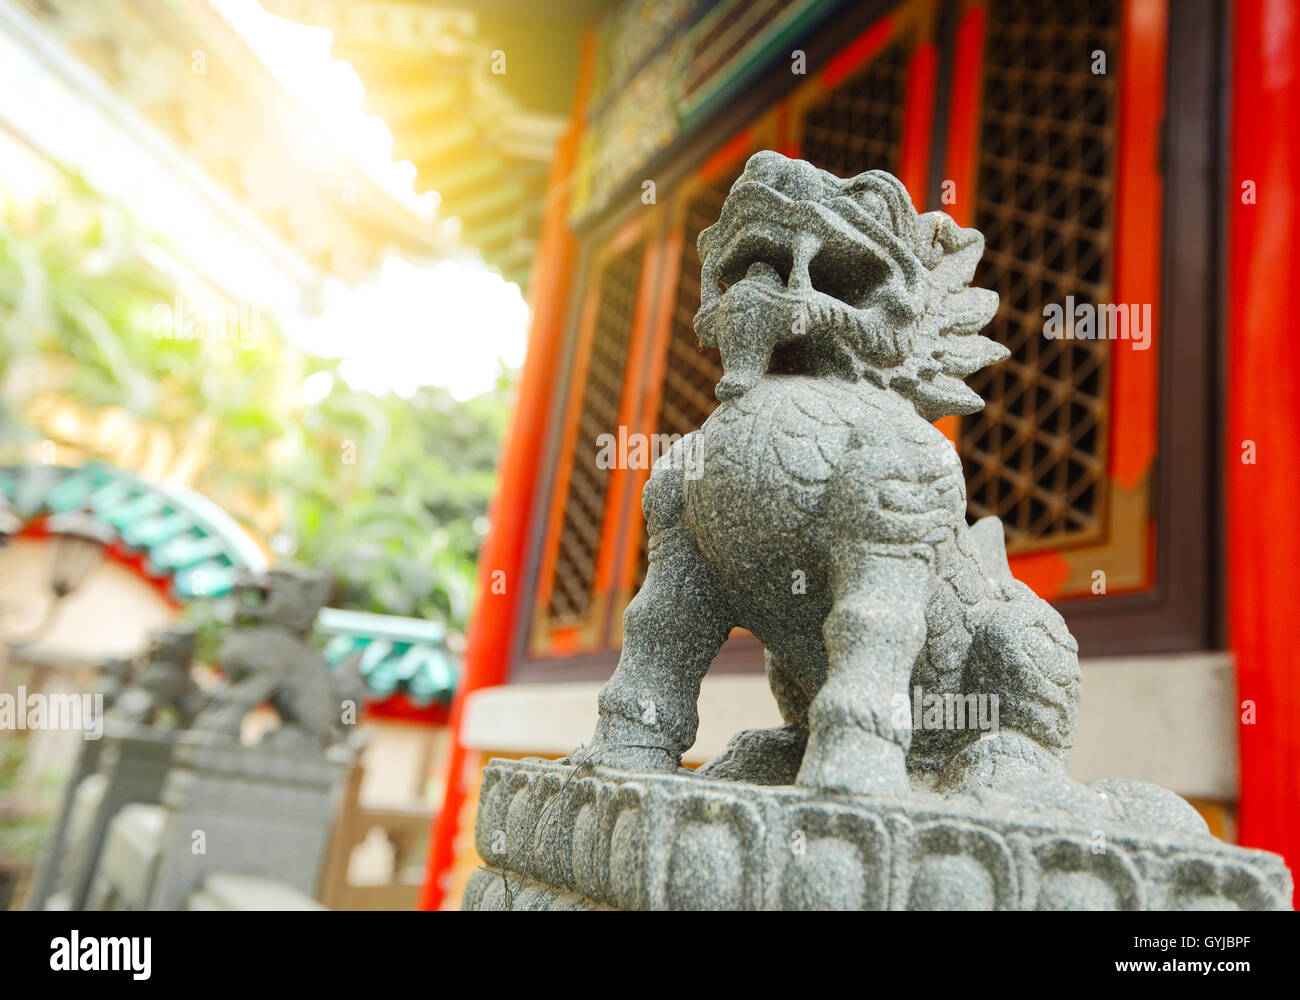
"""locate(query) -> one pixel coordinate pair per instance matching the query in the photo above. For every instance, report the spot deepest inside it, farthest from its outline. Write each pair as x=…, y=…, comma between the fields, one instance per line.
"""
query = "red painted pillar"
x=918, y=122
x=1263, y=403
x=501, y=564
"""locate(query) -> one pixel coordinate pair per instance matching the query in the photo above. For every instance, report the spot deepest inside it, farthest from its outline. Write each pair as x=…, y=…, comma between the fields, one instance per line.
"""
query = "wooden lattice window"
x=1036, y=455
x=691, y=371
x=856, y=126
x=859, y=125
x=602, y=394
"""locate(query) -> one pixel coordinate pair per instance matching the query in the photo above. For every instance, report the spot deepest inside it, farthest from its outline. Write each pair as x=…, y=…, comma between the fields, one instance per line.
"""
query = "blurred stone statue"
x=160, y=682
x=267, y=656
x=111, y=679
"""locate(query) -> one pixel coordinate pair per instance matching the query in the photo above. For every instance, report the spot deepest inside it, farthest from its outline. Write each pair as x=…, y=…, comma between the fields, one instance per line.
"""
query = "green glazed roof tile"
x=186, y=551
x=203, y=549
x=136, y=509
x=152, y=532
x=340, y=647
x=109, y=495
x=425, y=671
x=210, y=579
x=70, y=494
x=375, y=654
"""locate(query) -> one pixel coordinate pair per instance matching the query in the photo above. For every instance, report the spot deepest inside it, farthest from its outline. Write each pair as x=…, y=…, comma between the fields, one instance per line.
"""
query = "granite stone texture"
x=260, y=811
x=929, y=698
x=562, y=836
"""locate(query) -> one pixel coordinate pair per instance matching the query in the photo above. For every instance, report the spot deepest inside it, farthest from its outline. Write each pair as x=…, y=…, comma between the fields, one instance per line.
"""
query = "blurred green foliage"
x=22, y=830
x=391, y=493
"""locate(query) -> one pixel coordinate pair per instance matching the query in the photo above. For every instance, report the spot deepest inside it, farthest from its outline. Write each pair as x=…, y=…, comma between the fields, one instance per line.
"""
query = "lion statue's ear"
x=949, y=345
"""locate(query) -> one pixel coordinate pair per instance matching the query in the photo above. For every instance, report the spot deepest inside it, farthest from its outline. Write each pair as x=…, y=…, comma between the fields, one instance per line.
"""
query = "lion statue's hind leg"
x=1023, y=655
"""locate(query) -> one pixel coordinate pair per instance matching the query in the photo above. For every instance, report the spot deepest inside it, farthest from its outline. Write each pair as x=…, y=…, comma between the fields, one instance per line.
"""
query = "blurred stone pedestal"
x=128, y=764
x=556, y=836
x=262, y=811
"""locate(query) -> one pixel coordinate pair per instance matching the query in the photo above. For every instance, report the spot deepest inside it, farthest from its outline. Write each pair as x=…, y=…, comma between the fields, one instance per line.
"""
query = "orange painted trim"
x=629, y=417
x=857, y=53
x=503, y=560
x=624, y=236
x=918, y=122
x=568, y=434
x=1139, y=200
x=949, y=427
x=1044, y=573
x=1263, y=398
x=964, y=114
x=666, y=296
x=725, y=156
x=784, y=138
x=564, y=640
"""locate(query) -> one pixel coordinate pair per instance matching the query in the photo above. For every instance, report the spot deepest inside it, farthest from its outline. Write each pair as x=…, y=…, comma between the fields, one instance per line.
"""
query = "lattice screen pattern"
x=1036, y=455
x=859, y=125
x=584, y=506
x=691, y=371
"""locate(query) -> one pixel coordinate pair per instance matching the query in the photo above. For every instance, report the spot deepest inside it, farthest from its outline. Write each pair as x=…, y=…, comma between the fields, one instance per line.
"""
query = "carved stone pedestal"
x=261, y=811
x=555, y=836
x=129, y=764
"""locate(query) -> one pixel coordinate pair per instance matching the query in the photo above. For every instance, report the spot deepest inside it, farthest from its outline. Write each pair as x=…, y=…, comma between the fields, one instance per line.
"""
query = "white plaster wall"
x=1166, y=719
x=110, y=614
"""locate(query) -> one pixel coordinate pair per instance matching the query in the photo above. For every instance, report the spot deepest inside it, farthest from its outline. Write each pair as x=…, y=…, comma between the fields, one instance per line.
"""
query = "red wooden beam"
x=857, y=53
x=1138, y=199
x=502, y=563
x=918, y=122
x=1263, y=398
x=957, y=195
x=963, y=116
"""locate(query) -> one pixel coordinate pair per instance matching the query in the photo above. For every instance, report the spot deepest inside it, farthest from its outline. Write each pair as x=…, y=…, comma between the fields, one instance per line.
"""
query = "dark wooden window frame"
x=1184, y=609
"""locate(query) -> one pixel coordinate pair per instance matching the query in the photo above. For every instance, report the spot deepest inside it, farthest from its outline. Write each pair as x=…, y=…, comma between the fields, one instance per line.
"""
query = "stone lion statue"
x=267, y=656
x=160, y=682
x=819, y=508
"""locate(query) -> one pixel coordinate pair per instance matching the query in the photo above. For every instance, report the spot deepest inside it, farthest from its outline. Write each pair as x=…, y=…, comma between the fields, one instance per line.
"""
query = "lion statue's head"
x=287, y=597
x=805, y=272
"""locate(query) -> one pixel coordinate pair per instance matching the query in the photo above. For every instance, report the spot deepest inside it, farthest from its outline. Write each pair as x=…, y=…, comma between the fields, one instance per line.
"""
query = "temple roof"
x=182, y=537
x=476, y=99
x=185, y=90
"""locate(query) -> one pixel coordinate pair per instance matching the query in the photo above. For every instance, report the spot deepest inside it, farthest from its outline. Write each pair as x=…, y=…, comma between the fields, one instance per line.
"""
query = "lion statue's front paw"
x=648, y=757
